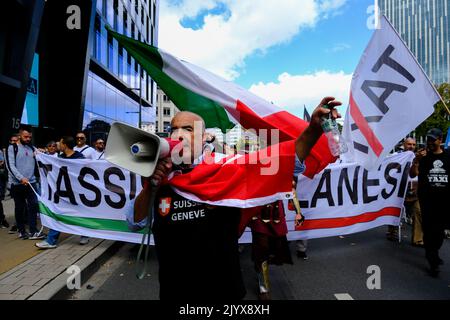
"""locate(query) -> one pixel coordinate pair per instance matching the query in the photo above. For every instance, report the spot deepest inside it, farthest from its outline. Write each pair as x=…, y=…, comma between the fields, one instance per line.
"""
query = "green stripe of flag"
x=150, y=59
x=90, y=223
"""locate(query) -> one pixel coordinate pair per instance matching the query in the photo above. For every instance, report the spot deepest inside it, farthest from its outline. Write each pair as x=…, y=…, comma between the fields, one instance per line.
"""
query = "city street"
x=336, y=269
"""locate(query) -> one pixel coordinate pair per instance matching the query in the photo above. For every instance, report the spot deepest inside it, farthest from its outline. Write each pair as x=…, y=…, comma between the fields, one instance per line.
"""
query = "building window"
x=120, y=61
x=110, y=53
x=98, y=38
x=142, y=14
x=166, y=126
x=148, y=30
x=154, y=12
x=156, y=125
x=166, y=112
x=152, y=42
x=136, y=7
x=125, y=21
x=139, y=36
x=165, y=99
x=132, y=29
x=116, y=13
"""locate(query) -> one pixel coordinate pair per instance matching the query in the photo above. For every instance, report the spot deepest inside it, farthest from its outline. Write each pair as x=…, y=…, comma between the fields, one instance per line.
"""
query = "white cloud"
x=291, y=92
x=339, y=47
x=224, y=41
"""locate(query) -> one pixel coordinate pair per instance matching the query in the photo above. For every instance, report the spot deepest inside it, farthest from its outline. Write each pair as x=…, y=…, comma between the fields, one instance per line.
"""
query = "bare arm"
x=306, y=141
x=414, y=171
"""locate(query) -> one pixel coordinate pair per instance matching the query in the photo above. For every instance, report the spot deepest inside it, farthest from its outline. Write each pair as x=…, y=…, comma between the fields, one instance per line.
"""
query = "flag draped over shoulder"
x=390, y=96
x=221, y=103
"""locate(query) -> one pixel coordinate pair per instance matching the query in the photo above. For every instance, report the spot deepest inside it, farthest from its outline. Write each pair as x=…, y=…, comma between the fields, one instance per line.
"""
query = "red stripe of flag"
x=345, y=222
x=363, y=126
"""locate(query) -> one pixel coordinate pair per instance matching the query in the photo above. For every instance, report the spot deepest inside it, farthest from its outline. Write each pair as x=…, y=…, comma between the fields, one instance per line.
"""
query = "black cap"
x=435, y=133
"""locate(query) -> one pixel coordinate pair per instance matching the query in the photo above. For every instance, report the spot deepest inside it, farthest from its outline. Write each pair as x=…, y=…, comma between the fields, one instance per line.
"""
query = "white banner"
x=390, y=96
x=345, y=198
x=91, y=198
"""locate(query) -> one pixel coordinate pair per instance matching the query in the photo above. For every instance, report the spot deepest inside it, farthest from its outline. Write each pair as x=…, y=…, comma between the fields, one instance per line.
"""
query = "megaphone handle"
x=147, y=232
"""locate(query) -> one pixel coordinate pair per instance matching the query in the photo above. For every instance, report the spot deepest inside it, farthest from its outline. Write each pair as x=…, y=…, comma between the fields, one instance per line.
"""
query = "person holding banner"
x=432, y=166
x=196, y=243
x=67, y=144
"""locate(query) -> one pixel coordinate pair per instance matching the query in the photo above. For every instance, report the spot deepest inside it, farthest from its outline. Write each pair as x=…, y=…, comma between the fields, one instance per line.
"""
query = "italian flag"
x=222, y=104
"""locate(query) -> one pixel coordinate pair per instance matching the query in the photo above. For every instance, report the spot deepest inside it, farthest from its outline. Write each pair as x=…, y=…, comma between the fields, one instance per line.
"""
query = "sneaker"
x=37, y=236
x=4, y=224
x=84, y=240
x=45, y=245
x=13, y=229
x=302, y=255
x=23, y=235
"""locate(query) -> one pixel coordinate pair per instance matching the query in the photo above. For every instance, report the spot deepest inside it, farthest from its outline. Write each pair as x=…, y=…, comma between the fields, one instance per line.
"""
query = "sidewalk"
x=29, y=273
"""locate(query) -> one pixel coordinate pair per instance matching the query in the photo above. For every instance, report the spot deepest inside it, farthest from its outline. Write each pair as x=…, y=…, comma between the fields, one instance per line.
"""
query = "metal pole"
x=140, y=102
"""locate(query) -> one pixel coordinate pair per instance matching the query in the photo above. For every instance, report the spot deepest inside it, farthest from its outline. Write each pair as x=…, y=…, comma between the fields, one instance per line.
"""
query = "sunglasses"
x=80, y=138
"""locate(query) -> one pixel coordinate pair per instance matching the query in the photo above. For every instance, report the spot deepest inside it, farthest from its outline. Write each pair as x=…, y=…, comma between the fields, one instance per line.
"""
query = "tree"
x=440, y=118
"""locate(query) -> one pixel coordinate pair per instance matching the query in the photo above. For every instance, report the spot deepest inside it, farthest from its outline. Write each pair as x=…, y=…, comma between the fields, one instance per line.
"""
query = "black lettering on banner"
x=46, y=168
x=114, y=188
x=366, y=184
x=318, y=194
x=386, y=59
x=404, y=182
x=352, y=191
x=132, y=185
x=98, y=195
x=389, y=88
x=380, y=101
x=68, y=193
x=389, y=179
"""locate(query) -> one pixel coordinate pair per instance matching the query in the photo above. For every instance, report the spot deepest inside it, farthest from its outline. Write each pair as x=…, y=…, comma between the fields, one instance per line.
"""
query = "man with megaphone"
x=196, y=243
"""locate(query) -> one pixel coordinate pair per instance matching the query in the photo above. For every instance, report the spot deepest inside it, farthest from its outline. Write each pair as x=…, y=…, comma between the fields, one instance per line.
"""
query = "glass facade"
x=104, y=102
x=424, y=26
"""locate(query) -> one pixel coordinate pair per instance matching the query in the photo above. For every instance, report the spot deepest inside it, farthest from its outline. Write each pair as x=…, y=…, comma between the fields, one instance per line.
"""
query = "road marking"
x=343, y=296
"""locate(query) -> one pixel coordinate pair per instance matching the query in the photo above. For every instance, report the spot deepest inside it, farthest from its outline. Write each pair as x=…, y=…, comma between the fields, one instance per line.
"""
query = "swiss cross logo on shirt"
x=164, y=206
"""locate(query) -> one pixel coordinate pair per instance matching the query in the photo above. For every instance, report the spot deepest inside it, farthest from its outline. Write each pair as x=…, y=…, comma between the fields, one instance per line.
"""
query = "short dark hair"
x=69, y=141
x=50, y=143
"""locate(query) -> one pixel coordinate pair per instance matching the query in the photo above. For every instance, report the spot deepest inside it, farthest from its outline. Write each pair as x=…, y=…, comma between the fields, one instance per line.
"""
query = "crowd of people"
x=19, y=175
x=199, y=258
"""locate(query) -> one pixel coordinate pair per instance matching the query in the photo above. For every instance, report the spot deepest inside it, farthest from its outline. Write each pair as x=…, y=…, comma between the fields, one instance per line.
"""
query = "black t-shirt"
x=434, y=171
x=197, y=248
x=75, y=155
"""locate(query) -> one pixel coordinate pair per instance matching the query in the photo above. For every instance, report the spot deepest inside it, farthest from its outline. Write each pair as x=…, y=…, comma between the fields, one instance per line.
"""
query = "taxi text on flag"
x=390, y=96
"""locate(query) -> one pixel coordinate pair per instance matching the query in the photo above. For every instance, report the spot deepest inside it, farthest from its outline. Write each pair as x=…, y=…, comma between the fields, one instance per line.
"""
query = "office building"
x=424, y=26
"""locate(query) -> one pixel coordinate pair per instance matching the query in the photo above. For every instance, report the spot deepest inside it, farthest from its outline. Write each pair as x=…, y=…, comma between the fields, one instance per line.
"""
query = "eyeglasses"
x=80, y=138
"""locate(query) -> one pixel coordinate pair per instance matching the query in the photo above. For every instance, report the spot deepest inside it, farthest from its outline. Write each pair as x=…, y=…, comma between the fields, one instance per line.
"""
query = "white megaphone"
x=136, y=150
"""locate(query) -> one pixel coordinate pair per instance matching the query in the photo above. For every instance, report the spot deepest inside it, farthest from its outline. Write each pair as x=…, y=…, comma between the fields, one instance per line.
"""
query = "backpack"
x=16, y=150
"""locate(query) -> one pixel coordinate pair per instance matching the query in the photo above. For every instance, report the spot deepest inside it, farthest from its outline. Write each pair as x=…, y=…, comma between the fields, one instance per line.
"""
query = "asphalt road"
x=337, y=268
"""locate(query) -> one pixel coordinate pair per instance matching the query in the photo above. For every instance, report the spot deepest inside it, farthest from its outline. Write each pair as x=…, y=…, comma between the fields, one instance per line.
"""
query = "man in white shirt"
x=83, y=148
x=88, y=153
x=99, y=149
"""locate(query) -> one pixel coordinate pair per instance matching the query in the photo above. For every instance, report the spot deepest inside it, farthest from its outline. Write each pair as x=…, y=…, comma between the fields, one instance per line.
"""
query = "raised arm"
x=306, y=141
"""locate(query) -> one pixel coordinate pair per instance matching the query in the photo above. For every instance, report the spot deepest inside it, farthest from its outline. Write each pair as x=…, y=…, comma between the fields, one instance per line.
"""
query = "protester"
x=198, y=258
x=88, y=153
x=413, y=214
x=67, y=145
x=21, y=165
x=99, y=149
x=432, y=166
x=83, y=148
x=52, y=149
x=3, y=177
x=13, y=139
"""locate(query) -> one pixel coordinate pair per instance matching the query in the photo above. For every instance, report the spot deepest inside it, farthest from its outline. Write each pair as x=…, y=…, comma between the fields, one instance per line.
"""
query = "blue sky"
x=290, y=52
